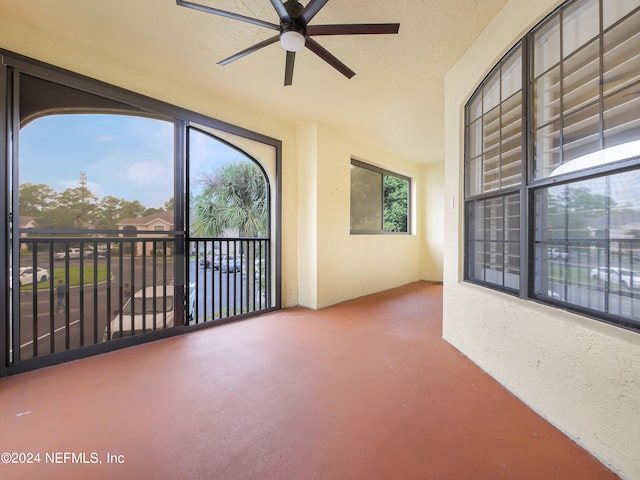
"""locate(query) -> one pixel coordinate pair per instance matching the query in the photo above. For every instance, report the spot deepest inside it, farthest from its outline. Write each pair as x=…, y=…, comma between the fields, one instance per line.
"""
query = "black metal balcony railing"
x=74, y=292
x=230, y=276
x=592, y=275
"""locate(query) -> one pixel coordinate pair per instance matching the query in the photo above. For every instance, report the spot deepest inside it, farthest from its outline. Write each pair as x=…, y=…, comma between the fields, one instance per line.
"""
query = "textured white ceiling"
x=395, y=100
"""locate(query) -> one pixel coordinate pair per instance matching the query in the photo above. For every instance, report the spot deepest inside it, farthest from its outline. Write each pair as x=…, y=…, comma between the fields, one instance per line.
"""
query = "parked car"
x=555, y=295
x=232, y=265
x=72, y=252
x=139, y=312
x=558, y=253
x=616, y=276
x=27, y=275
x=89, y=252
x=205, y=261
x=219, y=260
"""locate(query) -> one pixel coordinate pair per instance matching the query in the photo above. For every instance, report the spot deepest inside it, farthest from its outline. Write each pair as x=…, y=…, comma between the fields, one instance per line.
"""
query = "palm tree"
x=233, y=197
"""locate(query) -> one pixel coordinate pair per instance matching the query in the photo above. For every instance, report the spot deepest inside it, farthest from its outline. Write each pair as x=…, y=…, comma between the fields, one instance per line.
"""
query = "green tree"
x=111, y=210
x=108, y=212
x=76, y=207
x=573, y=209
x=234, y=197
x=36, y=199
x=132, y=209
x=58, y=217
x=80, y=203
x=396, y=198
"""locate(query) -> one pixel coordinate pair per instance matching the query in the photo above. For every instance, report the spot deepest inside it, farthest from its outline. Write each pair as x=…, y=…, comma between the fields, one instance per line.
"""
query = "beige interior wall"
x=348, y=265
x=579, y=373
x=307, y=207
x=434, y=209
x=315, y=161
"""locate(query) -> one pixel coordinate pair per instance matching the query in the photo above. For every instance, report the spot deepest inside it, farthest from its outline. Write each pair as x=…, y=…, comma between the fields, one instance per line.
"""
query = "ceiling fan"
x=294, y=32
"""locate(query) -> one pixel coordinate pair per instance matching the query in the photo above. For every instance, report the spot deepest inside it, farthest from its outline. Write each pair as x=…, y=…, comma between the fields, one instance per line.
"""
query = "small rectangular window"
x=379, y=200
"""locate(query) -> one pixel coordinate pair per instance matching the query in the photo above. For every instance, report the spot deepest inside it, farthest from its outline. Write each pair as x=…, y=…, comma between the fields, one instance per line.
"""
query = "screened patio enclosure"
x=128, y=220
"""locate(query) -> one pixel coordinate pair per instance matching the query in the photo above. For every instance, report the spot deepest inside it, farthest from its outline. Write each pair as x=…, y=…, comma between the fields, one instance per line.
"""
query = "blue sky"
x=122, y=156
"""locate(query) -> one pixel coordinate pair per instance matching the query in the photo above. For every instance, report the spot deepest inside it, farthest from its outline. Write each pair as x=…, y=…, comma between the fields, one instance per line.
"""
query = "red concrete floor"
x=363, y=390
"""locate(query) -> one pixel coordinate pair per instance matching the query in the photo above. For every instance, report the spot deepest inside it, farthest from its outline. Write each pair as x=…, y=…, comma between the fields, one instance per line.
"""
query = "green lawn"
x=74, y=277
x=571, y=275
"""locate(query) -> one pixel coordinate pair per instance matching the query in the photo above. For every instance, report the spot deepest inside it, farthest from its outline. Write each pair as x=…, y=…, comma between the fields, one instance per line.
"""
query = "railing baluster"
x=260, y=275
x=154, y=268
x=34, y=289
x=108, y=301
x=144, y=291
x=121, y=298
x=94, y=258
x=240, y=285
x=52, y=304
x=67, y=301
x=132, y=253
x=244, y=269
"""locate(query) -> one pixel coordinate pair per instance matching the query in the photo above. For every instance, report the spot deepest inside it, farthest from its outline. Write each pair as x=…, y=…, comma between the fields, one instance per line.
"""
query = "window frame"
x=13, y=66
x=383, y=172
x=532, y=185
x=502, y=192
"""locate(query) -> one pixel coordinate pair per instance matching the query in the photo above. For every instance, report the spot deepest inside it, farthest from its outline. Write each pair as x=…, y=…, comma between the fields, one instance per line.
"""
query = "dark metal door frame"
x=12, y=66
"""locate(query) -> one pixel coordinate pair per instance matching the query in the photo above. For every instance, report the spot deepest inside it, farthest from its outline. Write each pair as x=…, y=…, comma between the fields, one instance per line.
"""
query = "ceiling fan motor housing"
x=294, y=9
x=292, y=30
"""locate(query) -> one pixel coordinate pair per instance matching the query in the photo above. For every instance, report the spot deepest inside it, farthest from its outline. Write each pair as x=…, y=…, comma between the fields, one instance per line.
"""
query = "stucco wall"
x=581, y=374
x=432, y=215
x=307, y=209
x=348, y=266
x=322, y=262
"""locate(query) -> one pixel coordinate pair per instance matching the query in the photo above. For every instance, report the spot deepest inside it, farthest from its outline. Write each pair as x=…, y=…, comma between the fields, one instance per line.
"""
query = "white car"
x=73, y=253
x=616, y=276
x=27, y=275
x=140, y=310
x=558, y=253
x=138, y=313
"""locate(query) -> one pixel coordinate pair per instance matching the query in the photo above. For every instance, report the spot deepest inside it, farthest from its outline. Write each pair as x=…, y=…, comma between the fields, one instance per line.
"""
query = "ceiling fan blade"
x=353, y=29
x=288, y=69
x=249, y=50
x=324, y=54
x=282, y=12
x=223, y=13
x=310, y=10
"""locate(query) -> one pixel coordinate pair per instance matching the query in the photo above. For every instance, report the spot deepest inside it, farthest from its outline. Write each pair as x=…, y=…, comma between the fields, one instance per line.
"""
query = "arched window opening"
x=229, y=228
x=94, y=188
x=100, y=240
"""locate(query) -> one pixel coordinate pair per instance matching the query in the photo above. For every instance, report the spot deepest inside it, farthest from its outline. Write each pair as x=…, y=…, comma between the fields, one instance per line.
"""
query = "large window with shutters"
x=552, y=164
x=494, y=175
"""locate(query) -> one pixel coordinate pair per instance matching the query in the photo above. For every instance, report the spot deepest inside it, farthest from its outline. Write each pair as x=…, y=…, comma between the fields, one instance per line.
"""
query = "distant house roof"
x=141, y=222
x=623, y=219
x=26, y=221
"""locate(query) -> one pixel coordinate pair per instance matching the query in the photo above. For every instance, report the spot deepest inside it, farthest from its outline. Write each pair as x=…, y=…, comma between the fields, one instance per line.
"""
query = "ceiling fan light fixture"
x=292, y=41
x=295, y=33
